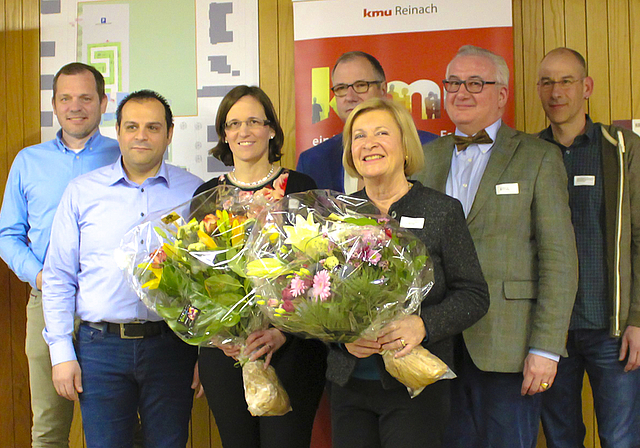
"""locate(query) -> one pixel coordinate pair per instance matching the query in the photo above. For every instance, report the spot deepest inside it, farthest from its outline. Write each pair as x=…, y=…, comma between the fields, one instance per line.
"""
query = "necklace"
x=251, y=184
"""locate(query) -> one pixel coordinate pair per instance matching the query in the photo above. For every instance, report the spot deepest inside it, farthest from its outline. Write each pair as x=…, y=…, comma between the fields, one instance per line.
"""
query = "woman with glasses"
x=250, y=140
x=369, y=408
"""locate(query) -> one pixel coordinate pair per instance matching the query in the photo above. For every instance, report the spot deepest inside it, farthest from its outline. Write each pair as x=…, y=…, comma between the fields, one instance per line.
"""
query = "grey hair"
x=502, y=70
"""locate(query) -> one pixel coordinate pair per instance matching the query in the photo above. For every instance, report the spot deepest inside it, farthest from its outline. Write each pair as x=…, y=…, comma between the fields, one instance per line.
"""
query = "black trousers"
x=364, y=415
x=300, y=366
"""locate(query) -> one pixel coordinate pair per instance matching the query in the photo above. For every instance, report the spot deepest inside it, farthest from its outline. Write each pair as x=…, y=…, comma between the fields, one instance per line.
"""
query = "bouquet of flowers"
x=191, y=272
x=326, y=269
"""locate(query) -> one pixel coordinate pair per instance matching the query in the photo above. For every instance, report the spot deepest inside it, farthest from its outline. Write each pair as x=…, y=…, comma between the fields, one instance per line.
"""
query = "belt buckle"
x=124, y=336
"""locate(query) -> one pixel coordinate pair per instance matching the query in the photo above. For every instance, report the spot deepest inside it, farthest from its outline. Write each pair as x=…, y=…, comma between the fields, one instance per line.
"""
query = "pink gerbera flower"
x=321, y=285
x=298, y=286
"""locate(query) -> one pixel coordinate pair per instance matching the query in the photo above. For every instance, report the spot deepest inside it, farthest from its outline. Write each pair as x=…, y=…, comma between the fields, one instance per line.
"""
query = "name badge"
x=584, y=181
x=507, y=189
x=411, y=223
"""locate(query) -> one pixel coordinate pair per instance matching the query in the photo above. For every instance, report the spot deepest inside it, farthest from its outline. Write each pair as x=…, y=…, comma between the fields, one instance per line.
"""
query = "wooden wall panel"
x=31, y=65
x=575, y=25
x=598, y=59
x=533, y=50
x=269, y=54
x=7, y=439
x=554, y=24
x=286, y=79
x=19, y=126
x=518, y=61
x=619, y=59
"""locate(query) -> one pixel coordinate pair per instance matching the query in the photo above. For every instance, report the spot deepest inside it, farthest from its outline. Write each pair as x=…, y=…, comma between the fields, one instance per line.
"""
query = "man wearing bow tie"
x=513, y=191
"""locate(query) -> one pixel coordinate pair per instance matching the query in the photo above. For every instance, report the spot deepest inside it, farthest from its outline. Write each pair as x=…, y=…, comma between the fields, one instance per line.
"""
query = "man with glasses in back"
x=356, y=77
x=604, y=196
x=512, y=187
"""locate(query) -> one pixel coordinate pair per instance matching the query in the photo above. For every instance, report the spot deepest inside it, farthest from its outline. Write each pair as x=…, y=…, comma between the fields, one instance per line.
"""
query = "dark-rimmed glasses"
x=358, y=87
x=473, y=85
x=252, y=123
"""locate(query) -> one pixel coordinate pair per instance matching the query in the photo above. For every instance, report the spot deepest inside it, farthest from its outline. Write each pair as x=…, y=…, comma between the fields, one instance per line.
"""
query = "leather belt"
x=131, y=330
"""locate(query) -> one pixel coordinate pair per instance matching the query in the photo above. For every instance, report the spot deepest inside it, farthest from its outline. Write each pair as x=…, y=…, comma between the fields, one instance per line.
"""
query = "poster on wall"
x=413, y=42
x=192, y=53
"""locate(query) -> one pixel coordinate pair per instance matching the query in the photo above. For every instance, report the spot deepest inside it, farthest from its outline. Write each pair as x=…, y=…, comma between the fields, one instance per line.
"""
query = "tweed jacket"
x=520, y=222
x=459, y=296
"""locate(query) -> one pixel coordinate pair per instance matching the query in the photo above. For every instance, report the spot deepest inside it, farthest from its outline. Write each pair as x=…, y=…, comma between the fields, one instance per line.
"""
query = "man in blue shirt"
x=356, y=77
x=125, y=360
x=38, y=176
x=604, y=196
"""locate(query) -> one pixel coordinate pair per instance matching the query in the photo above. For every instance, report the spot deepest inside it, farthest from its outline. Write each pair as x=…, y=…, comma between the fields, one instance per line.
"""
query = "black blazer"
x=459, y=296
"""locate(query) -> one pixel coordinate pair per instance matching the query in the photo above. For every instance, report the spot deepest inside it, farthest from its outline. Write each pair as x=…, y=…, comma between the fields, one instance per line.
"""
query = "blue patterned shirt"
x=583, y=161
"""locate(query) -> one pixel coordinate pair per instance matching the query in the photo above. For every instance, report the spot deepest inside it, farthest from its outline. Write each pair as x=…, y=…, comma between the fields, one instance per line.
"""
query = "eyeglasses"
x=358, y=87
x=473, y=85
x=564, y=84
x=252, y=123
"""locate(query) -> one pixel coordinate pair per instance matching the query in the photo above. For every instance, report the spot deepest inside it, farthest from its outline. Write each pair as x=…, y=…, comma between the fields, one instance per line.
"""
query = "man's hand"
x=538, y=370
x=630, y=347
x=196, y=385
x=39, y=281
x=67, y=379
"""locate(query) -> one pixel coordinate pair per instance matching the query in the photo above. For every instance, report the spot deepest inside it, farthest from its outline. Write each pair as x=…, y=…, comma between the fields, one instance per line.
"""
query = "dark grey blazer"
x=459, y=296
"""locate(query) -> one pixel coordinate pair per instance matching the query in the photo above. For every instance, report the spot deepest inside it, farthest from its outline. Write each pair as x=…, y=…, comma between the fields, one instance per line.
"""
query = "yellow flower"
x=271, y=230
x=331, y=262
x=303, y=272
x=237, y=233
x=171, y=251
x=206, y=240
x=303, y=232
x=154, y=282
x=266, y=268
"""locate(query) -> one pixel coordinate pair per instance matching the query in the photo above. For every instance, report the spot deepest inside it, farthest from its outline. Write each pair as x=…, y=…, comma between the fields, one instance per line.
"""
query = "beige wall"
x=603, y=30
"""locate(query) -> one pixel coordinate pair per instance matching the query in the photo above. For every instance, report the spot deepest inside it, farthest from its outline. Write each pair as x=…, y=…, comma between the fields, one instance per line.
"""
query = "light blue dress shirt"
x=81, y=275
x=38, y=176
x=467, y=168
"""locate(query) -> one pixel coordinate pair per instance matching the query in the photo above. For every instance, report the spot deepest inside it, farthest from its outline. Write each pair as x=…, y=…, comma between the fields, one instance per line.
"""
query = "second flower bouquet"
x=327, y=271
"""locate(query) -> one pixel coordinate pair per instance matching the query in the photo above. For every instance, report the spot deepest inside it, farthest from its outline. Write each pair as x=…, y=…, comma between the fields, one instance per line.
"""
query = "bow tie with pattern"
x=463, y=142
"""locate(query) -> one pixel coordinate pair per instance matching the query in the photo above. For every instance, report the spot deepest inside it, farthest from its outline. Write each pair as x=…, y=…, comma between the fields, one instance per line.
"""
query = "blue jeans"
x=616, y=394
x=124, y=377
x=487, y=410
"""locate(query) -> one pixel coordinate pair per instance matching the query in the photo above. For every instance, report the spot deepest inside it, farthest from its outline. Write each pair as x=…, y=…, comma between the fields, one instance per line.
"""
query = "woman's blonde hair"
x=412, y=148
